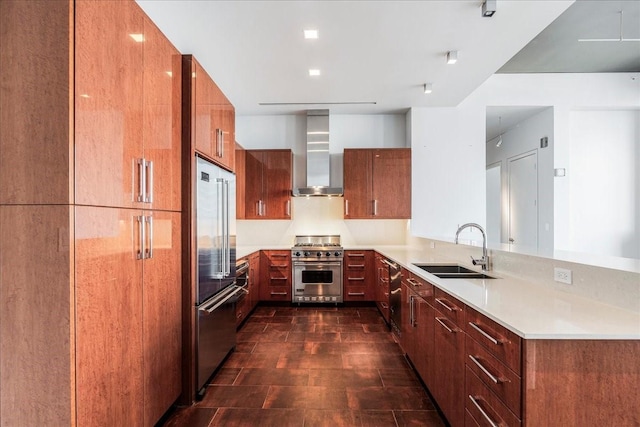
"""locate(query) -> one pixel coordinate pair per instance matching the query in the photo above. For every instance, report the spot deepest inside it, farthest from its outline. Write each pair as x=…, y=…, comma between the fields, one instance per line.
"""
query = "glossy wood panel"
x=448, y=376
x=278, y=166
x=109, y=314
x=508, y=349
x=108, y=102
x=391, y=171
x=495, y=411
x=35, y=112
x=241, y=172
x=162, y=116
x=358, y=277
x=357, y=184
x=36, y=316
x=254, y=184
x=203, y=137
x=508, y=386
x=254, y=279
x=580, y=383
x=162, y=316
x=275, y=270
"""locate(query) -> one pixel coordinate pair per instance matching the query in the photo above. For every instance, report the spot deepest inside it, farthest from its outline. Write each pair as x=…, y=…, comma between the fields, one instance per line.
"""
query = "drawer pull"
x=483, y=412
x=356, y=255
x=395, y=291
x=413, y=282
x=278, y=255
x=355, y=278
x=355, y=294
x=384, y=305
x=355, y=265
x=486, y=371
x=446, y=305
x=278, y=293
x=440, y=320
x=279, y=265
x=278, y=278
x=486, y=335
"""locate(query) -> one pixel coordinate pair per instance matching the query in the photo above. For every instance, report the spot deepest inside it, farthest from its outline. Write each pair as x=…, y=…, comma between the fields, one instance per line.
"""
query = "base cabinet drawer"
x=484, y=406
x=502, y=381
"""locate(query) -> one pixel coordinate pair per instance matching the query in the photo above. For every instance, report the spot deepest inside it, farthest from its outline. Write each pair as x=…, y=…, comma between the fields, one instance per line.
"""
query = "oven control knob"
x=337, y=254
x=319, y=254
x=328, y=254
x=297, y=254
x=306, y=254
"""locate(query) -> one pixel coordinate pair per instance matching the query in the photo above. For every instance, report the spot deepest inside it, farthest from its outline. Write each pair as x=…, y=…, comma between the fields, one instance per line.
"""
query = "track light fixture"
x=452, y=57
x=428, y=88
x=488, y=8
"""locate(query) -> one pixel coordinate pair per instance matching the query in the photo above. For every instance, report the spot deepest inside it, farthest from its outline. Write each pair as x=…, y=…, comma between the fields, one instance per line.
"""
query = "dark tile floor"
x=311, y=366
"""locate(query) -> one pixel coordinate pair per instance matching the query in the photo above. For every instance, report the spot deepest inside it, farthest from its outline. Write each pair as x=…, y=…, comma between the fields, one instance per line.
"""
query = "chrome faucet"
x=484, y=261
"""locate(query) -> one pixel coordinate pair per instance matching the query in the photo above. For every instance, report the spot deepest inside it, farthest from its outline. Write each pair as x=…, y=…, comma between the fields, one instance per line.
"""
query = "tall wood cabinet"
x=377, y=183
x=89, y=215
x=268, y=184
x=212, y=116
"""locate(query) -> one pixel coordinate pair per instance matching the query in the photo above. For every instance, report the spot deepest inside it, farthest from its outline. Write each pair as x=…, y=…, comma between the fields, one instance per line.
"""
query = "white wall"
x=433, y=127
x=448, y=181
x=522, y=138
x=320, y=215
x=605, y=182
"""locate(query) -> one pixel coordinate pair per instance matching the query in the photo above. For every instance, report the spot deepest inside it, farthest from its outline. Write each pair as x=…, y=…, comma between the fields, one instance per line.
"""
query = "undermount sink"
x=449, y=271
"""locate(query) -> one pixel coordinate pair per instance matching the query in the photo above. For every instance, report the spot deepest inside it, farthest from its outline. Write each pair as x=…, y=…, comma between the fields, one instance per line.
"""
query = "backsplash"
x=321, y=215
x=614, y=287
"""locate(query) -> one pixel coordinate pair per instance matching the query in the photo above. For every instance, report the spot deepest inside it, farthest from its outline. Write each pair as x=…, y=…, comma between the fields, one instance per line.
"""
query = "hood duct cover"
x=318, y=160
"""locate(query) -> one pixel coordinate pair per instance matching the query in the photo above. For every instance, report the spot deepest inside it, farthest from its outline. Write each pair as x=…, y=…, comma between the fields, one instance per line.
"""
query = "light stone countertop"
x=530, y=310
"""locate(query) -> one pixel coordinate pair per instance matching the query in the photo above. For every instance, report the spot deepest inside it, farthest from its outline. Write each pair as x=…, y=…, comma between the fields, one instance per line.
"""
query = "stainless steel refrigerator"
x=216, y=291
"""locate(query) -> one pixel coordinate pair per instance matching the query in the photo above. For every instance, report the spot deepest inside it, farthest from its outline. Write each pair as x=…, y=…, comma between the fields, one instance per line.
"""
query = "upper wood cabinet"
x=127, y=109
x=377, y=183
x=209, y=115
x=268, y=184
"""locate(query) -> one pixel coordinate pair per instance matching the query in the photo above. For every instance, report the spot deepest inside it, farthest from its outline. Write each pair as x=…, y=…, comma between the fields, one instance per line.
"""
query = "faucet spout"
x=484, y=261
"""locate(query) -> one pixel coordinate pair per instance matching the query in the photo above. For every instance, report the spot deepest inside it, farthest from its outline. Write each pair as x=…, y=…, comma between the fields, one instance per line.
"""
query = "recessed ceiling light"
x=310, y=34
x=428, y=87
x=452, y=57
x=314, y=72
x=137, y=37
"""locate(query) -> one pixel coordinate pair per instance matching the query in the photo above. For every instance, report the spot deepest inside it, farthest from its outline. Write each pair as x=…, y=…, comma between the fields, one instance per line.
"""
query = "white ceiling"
x=368, y=51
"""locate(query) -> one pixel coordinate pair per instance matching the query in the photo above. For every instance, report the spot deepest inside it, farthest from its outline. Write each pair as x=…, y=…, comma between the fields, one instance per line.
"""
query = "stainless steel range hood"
x=318, y=160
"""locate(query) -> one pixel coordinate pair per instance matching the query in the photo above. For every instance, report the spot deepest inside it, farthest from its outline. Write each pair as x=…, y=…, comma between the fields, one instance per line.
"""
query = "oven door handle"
x=315, y=263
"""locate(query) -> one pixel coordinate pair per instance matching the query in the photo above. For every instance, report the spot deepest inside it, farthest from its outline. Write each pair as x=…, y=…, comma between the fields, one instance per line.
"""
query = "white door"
x=494, y=204
x=523, y=202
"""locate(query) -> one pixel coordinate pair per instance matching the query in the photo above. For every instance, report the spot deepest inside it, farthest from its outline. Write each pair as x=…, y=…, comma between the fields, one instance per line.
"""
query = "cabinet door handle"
x=149, y=184
x=355, y=294
x=278, y=293
x=440, y=320
x=142, y=178
x=446, y=305
x=493, y=378
x=278, y=278
x=483, y=412
x=278, y=255
x=355, y=278
x=355, y=265
x=358, y=255
x=486, y=335
x=221, y=143
x=288, y=207
x=411, y=310
x=384, y=305
x=150, y=248
x=390, y=264
x=395, y=291
x=140, y=254
x=414, y=282
x=375, y=207
x=346, y=208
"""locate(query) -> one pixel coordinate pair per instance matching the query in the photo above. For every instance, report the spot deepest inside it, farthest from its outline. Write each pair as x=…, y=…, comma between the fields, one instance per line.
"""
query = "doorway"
x=523, y=201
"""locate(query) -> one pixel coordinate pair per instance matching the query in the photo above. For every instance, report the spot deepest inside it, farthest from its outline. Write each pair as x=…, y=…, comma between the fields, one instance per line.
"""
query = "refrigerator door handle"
x=218, y=301
x=227, y=245
x=221, y=250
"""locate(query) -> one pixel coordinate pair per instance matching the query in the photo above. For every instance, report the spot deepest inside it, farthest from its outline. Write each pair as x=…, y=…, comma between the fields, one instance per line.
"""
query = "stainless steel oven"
x=317, y=269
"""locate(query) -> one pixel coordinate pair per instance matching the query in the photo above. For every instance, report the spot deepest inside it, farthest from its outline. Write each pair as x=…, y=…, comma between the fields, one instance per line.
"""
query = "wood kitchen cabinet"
x=377, y=183
x=209, y=115
x=254, y=279
x=100, y=106
x=268, y=184
x=448, y=357
x=128, y=330
x=359, y=280
x=275, y=270
x=127, y=106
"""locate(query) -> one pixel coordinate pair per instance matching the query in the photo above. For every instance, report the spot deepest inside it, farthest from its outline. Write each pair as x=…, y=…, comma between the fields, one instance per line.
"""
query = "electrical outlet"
x=562, y=275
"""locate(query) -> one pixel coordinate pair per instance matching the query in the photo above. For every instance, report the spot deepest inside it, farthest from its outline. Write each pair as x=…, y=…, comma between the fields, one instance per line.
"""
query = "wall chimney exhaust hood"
x=318, y=160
